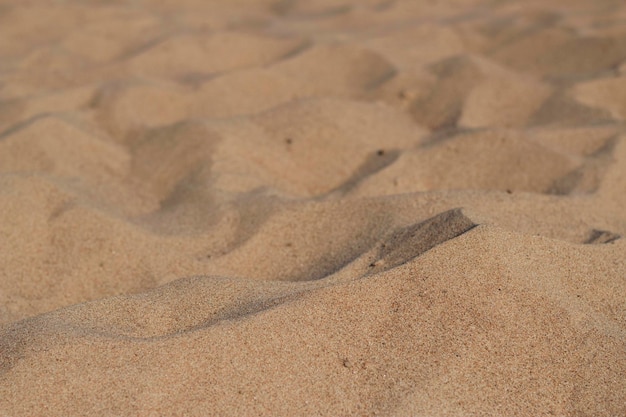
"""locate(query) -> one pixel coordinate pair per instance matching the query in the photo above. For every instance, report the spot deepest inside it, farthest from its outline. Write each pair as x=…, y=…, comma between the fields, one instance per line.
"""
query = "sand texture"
x=313, y=207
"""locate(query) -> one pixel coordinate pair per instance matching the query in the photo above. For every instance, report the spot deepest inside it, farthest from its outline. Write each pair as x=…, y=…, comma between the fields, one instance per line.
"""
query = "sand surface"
x=326, y=207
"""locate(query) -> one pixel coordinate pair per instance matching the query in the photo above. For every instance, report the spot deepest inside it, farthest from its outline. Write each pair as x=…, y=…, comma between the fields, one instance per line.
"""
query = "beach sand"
x=325, y=207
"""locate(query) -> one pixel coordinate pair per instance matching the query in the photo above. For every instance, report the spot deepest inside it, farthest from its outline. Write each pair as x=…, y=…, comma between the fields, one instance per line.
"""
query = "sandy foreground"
x=329, y=207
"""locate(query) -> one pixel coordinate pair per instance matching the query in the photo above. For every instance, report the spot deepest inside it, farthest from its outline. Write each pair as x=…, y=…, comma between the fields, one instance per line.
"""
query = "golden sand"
x=325, y=207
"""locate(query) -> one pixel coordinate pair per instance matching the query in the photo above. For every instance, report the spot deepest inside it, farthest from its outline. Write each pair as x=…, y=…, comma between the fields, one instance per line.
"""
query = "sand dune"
x=328, y=207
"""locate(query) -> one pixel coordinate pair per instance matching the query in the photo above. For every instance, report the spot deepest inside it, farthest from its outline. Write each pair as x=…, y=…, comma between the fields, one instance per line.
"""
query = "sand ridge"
x=328, y=207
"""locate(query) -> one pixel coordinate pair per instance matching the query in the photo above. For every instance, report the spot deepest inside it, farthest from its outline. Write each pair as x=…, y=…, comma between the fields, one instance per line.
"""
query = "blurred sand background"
x=324, y=207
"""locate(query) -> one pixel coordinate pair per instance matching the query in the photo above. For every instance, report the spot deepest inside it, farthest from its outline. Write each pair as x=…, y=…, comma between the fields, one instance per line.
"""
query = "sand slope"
x=313, y=208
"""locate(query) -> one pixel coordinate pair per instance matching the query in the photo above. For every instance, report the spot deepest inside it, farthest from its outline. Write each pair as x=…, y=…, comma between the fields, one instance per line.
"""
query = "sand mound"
x=328, y=207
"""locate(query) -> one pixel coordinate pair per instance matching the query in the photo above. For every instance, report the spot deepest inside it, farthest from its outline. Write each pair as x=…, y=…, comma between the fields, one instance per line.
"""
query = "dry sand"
x=329, y=207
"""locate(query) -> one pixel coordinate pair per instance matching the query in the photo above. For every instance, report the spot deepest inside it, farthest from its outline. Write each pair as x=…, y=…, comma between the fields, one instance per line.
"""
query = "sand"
x=326, y=207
